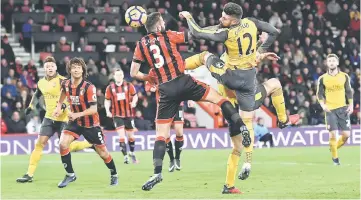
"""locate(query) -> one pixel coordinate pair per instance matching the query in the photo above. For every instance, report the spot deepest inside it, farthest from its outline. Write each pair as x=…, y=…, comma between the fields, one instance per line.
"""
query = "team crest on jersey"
x=82, y=91
x=54, y=84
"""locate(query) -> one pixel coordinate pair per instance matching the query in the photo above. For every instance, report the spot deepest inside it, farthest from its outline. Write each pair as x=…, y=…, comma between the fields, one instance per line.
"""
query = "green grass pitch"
x=301, y=173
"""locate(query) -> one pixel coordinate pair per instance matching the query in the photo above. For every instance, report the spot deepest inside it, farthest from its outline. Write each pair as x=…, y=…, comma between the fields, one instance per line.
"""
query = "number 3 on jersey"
x=159, y=59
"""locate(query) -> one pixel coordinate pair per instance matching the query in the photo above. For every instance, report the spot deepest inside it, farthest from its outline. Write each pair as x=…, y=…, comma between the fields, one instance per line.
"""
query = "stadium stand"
x=96, y=31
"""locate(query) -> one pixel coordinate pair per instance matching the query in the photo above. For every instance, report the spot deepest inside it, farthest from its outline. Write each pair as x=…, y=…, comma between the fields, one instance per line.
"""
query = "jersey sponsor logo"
x=120, y=96
x=75, y=100
x=50, y=96
x=334, y=88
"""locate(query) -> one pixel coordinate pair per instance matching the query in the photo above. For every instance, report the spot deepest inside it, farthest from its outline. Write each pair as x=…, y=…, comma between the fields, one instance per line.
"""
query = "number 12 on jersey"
x=249, y=50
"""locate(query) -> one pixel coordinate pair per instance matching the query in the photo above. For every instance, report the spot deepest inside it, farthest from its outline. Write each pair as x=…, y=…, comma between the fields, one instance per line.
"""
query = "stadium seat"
x=101, y=29
x=123, y=48
x=25, y=9
x=65, y=48
x=108, y=10
x=48, y=9
x=68, y=28
x=89, y=48
x=183, y=48
x=128, y=29
x=43, y=55
x=81, y=10
x=45, y=28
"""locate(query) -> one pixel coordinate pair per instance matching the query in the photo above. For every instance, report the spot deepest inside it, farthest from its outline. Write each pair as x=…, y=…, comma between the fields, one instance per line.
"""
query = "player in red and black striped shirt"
x=159, y=50
x=83, y=119
x=120, y=100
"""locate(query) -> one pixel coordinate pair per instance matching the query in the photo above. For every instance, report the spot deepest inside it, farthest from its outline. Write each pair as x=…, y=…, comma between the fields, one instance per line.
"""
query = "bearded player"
x=158, y=49
x=239, y=73
x=83, y=120
x=49, y=88
x=120, y=100
x=334, y=93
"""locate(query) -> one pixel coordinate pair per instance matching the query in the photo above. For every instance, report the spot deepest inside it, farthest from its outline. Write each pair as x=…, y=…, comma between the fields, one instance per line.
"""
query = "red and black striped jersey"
x=121, y=98
x=159, y=50
x=80, y=98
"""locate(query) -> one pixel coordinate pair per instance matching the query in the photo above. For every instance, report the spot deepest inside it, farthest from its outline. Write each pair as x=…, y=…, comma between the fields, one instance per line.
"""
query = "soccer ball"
x=136, y=16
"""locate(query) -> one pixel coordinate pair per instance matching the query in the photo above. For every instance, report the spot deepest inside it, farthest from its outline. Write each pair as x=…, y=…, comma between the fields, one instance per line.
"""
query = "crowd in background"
x=307, y=35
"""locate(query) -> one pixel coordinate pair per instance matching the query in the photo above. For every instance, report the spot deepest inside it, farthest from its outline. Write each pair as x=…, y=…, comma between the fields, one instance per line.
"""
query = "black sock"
x=111, y=166
x=123, y=148
x=66, y=160
x=170, y=150
x=158, y=155
x=178, y=146
x=131, y=144
x=230, y=113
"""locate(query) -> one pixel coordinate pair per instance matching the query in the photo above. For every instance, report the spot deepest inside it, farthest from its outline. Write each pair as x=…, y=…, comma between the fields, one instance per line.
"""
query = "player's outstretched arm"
x=36, y=95
x=268, y=28
x=217, y=35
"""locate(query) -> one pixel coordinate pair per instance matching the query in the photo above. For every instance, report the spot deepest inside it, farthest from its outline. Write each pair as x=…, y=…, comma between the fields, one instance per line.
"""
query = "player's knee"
x=346, y=134
x=63, y=145
x=332, y=135
x=178, y=129
x=102, y=151
x=272, y=85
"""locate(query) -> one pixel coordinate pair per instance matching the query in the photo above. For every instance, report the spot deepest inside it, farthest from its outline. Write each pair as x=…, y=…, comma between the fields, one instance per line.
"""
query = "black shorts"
x=178, y=118
x=50, y=127
x=93, y=135
x=172, y=93
x=124, y=122
x=338, y=119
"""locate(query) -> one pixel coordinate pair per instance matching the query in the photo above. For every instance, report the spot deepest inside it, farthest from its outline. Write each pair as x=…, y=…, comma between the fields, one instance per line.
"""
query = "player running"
x=49, y=88
x=159, y=50
x=122, y=97
x=83, y=120
x=334, y=94
x=178, y=122
x=239, y=74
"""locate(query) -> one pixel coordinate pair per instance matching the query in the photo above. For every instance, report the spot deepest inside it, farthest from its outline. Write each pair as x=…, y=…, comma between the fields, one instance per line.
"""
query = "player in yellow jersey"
x=239, y=74
x=49, y=88
x=334, y=94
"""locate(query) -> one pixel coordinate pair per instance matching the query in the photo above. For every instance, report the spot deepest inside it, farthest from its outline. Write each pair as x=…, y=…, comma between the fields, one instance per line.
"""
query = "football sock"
x=35, y=158
x=109, y=162
x=232, y=166
x=248, y=150
x=230, y=113
x=195, y=61
x=341, y=141
x=66, y=160
x=123, y=146
x=131, y=143
x=179, y=141
x=79, y=145
x=169, y=148
x=333, y=147
x=278, y=102
x=158, y=154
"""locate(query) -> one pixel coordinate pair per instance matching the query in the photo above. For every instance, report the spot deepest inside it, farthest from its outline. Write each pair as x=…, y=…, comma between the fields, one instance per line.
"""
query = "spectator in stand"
x=5, y=68
x=91, y=66
x=262, y=134
x=7, y=10
x=9, y=87
x=4, y=128
x=93, y=77
x=20, y=109
x=28, y=80
x=140, y=122
x=355, y=27
x=103, y=23
x=8, y=50
x=61, y=44
x=81, y=28
x=24, y=98
x=93, y=26
x=20, y=87
x=53, y=25
x=84, y=5
x=15, y=124
x=101, y=49
x=27, y=33
x=103, y=79
x=6, y=110
x=61, y=66
x=117, y=27
x=30, y=67
x=81, y=45
x=33, y=126
x=123, y=46
x=113, y=64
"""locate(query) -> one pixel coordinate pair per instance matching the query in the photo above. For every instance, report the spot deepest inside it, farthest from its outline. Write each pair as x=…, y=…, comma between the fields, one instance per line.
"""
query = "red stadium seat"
x=183, y=48
x=161, y=10
x=123, y=48
x=128, y=29
x=108, y=10
x=48, y=9
x=25, y=9
x=65, y=48
x=81, y=10
x=88, y=48
x=204, y=48
x=101, y=29
x=43, y=55
x=45, y=28
x=68, y=28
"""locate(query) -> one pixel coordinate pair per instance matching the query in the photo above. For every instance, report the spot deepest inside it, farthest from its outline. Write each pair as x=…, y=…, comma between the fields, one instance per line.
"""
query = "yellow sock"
x=232, y=166
x=79, y=145
x=195, y=61
x=341, y=141
x=35, y=158
x=333, y=147
x=249, y=150
x=278, y=102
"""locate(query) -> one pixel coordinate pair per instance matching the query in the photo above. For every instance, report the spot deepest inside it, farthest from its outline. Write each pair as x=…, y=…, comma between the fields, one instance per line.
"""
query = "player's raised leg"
x=66, y=138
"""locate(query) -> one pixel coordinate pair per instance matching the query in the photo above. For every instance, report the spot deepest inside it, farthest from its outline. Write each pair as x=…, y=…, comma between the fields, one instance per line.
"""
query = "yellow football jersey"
x=50, y=90
x=241, y=45
x=335, y=91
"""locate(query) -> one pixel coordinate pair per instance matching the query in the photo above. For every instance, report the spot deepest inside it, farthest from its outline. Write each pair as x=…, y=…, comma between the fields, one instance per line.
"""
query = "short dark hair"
x=233, y=9
x=77, y=61
x=332, y=55
x=152, y=19
x=49, y=59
